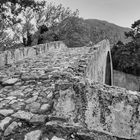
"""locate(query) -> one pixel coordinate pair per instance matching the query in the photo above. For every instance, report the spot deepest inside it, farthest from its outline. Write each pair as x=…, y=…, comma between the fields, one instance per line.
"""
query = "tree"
x=126, y=57
x=48, y=20
x=10, y=9
x=16, y=15
x=19, y=14
x=24, y=30
x=5, y=39
x=74, y=32
x=135, y=31
x=55, y=14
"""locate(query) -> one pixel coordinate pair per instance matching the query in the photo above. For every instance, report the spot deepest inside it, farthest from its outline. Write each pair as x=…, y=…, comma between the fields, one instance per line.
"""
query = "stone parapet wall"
x=128, y=81
x=97, y=64
x=15, y=55
x=111, y=110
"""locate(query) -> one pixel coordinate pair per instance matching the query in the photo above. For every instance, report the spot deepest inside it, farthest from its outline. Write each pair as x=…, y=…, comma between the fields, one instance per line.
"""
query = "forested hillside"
x=100, y=30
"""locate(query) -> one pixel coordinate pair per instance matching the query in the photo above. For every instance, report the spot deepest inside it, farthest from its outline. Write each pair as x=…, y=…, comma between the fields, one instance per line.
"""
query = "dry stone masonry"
x=59, y=93
x=11, y=56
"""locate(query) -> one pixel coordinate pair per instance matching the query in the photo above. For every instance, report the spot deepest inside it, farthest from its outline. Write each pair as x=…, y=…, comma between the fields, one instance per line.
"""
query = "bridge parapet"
x=15, y=55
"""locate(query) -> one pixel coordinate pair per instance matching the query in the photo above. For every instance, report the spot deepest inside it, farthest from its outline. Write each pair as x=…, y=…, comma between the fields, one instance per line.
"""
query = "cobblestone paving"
x=27, y=93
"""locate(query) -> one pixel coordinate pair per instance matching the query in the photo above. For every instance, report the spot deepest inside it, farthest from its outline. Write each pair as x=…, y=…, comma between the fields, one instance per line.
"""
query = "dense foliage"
x=126, y=57
x=11, y=9
x=54, y=15
x=31, y=22
x=74, y=32
x=11, y=16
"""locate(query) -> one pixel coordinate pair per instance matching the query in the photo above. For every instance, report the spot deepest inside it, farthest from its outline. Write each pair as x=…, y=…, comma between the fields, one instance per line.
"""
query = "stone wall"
x=12, y=56
x=111, y=110
x=127, y=81
x=97, y=69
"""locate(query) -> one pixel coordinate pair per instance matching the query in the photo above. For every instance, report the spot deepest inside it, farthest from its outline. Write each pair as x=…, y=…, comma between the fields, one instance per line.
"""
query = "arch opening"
x=108, y=78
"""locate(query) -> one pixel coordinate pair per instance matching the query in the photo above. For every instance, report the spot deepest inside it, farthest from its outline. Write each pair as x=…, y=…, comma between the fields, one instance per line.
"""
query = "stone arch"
x=108, y=70
x=100, y=64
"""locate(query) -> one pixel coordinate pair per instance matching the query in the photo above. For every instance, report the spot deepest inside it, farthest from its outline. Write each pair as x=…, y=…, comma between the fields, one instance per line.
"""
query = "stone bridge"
x=97, y=58
x=51, y=92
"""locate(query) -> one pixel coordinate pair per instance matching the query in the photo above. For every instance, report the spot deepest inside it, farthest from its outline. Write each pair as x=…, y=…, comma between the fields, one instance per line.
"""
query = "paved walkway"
x=27, y=94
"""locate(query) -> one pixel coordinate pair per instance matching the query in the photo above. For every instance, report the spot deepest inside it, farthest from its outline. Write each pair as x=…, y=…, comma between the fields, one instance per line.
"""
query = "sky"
x=120, y=12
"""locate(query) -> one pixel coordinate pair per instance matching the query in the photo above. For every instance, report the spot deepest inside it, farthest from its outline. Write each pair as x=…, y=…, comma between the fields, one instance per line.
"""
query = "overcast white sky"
x=120, y=12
